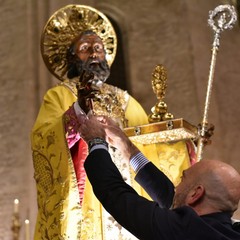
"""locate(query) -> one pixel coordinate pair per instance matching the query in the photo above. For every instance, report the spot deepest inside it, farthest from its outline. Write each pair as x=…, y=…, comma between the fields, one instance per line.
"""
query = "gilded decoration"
x=159, y=86
x=111, y=101
x=163, y=128
x=64, y=26
x=108, y=101
x=47, y=162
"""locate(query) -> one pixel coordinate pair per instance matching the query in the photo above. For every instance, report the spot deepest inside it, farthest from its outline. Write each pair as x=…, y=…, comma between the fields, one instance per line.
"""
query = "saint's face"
x=89, y=60
x=89, y=48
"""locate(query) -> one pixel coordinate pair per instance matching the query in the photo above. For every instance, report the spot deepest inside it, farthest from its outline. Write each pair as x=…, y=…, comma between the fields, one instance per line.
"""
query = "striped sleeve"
x=138, y=162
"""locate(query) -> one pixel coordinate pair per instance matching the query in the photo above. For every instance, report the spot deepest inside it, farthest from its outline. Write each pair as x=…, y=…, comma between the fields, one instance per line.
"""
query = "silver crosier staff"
x=221, y=18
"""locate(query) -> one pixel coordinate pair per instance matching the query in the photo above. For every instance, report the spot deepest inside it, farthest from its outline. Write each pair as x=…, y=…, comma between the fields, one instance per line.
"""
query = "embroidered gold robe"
x=60, y=214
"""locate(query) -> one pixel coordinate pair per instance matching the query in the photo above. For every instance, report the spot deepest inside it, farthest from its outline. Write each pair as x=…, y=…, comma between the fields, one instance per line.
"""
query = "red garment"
x=78, y=148
x=79, y=153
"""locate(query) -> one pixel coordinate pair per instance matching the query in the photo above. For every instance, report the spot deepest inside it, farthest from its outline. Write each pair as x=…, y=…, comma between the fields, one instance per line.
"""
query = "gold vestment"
x=60, y=215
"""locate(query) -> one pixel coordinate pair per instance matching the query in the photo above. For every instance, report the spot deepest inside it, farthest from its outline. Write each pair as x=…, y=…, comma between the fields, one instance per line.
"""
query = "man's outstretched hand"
x=92, y=128
x=105, y=128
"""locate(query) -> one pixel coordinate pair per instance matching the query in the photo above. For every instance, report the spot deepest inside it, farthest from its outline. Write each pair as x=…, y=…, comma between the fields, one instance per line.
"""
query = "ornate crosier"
x=221, y=18
x=159, y=85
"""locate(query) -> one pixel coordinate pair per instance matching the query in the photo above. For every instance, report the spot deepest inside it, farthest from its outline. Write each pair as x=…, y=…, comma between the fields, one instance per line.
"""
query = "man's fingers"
x=110, y=122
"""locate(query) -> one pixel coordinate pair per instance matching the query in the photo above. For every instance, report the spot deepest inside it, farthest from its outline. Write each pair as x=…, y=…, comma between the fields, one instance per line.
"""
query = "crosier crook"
x=221, y=18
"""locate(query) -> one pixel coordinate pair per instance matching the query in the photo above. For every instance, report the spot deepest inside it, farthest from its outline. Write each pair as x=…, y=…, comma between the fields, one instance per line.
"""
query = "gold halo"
x=64, y=26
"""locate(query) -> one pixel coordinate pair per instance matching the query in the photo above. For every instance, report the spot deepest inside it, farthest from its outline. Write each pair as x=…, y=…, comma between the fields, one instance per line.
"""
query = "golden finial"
x=159, y=85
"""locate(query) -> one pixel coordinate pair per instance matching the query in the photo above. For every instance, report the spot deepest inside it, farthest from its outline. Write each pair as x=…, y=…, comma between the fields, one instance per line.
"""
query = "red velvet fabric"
x=79, y=153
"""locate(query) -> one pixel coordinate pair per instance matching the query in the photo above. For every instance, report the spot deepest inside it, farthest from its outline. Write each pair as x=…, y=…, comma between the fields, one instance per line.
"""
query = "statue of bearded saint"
x=86, y=60
x=80, y=59
x=92, y=71
x=87, y=63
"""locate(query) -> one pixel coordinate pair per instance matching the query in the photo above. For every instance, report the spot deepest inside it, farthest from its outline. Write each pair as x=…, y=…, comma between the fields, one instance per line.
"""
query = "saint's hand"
x=85, y=92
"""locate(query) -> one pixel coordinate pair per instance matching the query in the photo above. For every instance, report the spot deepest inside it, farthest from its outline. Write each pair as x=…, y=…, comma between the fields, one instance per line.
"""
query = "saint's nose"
x=93, y=53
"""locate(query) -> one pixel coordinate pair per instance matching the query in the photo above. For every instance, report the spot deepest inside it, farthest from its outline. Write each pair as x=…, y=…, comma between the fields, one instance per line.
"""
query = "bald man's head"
x=209, y=186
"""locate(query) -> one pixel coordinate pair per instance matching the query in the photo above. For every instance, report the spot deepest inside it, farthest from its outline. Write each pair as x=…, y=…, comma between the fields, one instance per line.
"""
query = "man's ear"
x=195, y=195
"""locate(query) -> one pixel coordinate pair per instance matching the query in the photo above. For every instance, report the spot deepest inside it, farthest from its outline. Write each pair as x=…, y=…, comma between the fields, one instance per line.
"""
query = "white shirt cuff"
x=98, y=146
x=138, y=162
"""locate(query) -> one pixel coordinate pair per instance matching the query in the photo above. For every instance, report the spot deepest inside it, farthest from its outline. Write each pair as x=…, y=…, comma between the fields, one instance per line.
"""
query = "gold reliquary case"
x=165, y=131
x=162, y=126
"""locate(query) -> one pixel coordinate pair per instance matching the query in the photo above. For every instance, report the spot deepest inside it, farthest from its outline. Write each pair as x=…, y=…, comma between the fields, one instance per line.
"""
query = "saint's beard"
x=92, y=72
x=91, y=77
